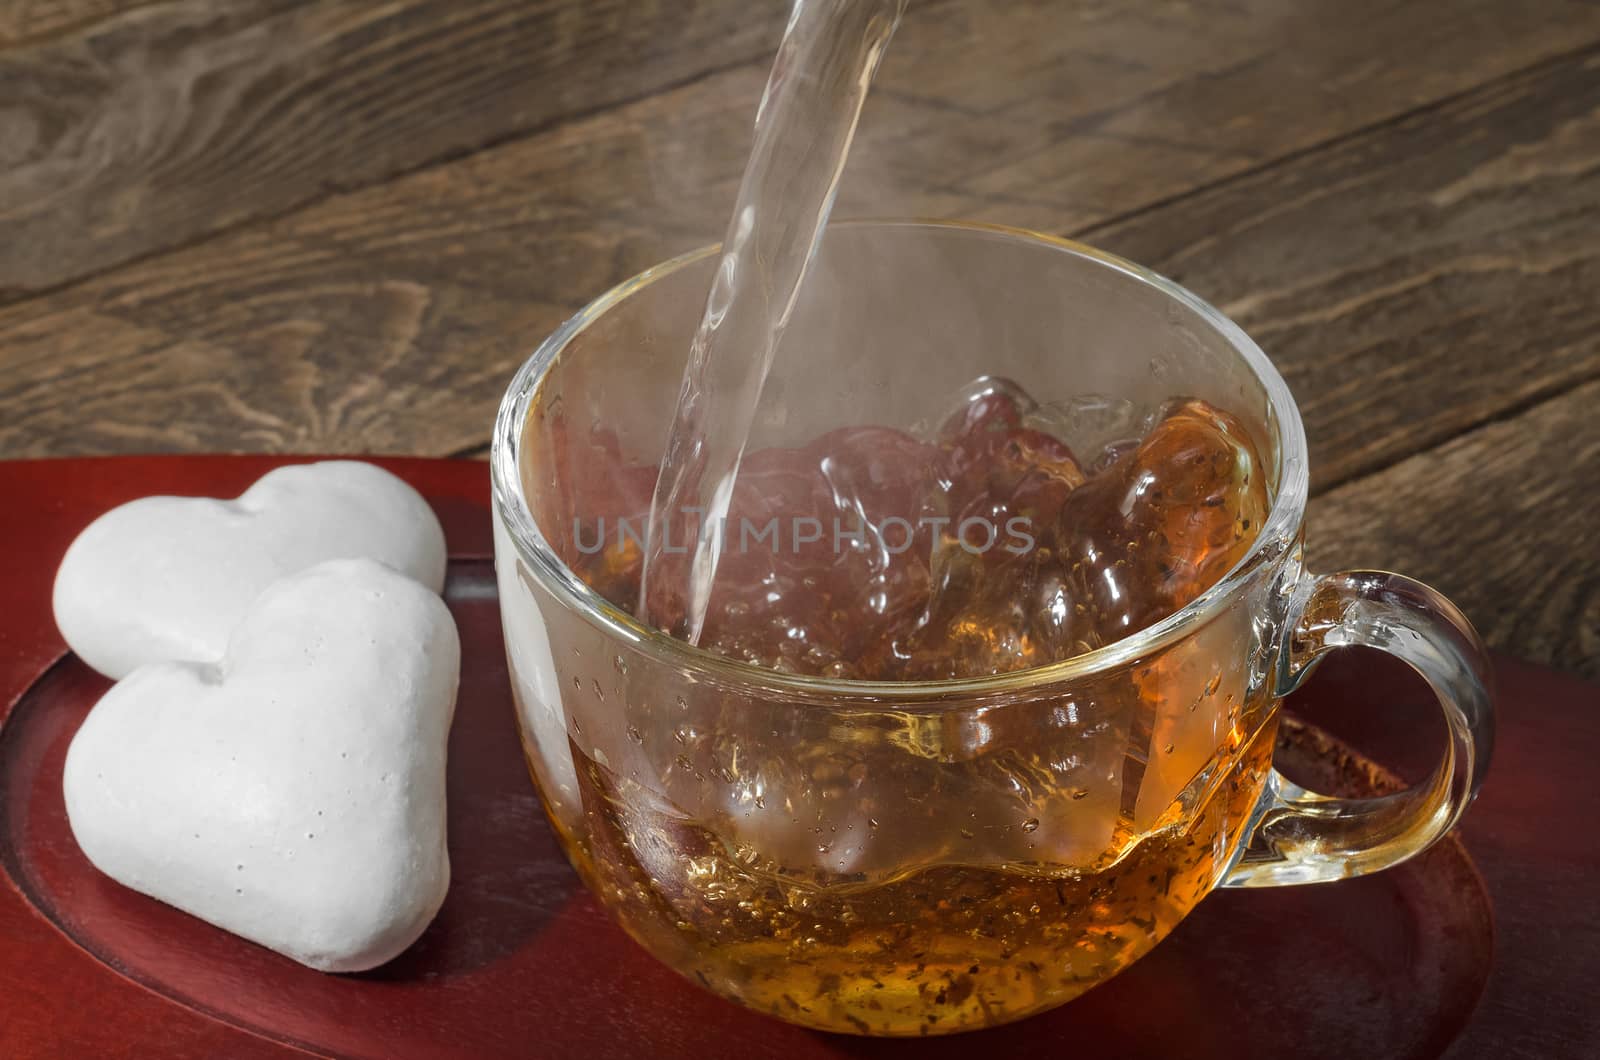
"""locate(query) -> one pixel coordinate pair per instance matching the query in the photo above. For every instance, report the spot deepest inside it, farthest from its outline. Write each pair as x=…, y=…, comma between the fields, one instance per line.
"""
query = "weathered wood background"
x=320, y=225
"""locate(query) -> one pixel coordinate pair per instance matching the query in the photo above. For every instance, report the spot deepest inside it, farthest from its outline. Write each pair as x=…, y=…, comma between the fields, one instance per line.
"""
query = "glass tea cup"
x=921, y=857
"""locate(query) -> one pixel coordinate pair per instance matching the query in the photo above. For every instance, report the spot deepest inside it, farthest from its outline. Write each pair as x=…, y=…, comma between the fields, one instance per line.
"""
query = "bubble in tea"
x=897, y=872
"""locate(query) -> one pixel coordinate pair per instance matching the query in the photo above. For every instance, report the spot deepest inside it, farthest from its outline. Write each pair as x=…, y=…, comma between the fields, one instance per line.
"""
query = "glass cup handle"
x=1300, y=836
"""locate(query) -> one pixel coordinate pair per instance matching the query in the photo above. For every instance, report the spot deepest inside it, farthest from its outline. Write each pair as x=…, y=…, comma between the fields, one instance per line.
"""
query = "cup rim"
x=1277, y=534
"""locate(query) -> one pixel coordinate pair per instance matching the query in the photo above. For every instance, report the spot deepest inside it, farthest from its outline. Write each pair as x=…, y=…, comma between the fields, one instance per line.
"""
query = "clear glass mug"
x=915, y=858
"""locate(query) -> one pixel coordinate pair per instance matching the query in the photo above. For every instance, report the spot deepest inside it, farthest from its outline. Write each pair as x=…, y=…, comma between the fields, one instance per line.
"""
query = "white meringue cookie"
x=294, y=792
x=165, y=578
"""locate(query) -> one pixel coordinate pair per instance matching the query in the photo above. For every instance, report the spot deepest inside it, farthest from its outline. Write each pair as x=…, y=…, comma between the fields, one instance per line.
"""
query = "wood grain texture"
x=1058, y=115
x=388, y=319
x=30, y=20
x=1502, y=520
x=1415, y=280
x=141, y=132
x=134, y=134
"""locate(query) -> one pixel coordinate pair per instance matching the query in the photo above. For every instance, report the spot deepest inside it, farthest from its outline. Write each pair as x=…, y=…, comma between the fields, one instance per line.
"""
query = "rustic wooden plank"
x=27, y=20
x=136, y=134
x=1389, y=274
x=476, y=260
x=295, y=358
x=1417, y=280
x=141, y=132
x=1501, y=519
x=1058, y=115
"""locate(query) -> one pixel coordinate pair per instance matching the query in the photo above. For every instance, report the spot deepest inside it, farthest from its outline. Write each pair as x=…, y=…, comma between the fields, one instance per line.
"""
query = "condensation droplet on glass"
x=635, y=735
x=1030, y=824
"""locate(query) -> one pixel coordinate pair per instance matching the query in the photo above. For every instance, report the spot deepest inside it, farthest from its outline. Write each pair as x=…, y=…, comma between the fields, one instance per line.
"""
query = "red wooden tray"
x=522, y=962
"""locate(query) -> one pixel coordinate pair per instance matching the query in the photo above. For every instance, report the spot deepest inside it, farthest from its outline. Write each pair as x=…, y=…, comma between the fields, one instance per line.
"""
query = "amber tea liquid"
x=900, y=872
x=942, y=949
x=895, y=871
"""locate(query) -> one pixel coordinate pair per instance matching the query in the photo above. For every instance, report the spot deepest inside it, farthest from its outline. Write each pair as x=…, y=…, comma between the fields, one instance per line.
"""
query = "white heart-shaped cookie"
x=294, y=792
x=165, y=578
